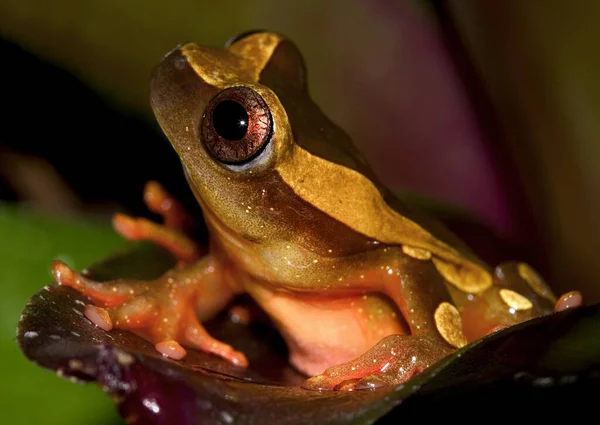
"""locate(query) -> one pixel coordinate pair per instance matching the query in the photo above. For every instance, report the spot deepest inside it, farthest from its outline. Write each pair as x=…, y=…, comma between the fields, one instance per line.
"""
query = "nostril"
x=176, y=58
x=174, y=49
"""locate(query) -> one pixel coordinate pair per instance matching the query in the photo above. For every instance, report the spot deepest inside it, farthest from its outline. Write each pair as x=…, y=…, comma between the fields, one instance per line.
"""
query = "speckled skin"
x=365, y=291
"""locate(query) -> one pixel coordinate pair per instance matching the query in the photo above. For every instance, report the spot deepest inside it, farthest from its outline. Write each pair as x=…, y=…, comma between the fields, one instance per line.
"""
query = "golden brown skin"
x=365, y=291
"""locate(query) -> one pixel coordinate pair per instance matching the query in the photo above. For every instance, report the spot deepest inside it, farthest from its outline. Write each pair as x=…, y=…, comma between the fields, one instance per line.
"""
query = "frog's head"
x=260, y=156
x=222, y=119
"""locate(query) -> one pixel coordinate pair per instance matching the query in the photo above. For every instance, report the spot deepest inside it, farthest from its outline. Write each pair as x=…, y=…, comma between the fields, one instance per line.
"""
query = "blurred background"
x=488, y=113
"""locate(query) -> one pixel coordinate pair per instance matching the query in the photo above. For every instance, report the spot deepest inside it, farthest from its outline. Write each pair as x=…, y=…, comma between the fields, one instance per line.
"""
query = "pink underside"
x=325, y=333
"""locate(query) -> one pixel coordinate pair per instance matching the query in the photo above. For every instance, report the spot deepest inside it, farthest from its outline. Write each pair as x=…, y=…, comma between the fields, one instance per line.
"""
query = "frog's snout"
x=176, y=58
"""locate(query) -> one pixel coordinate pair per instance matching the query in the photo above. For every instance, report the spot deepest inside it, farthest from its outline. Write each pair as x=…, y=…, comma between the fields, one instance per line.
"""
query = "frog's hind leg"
x=170, y=235
x=395, y=359
x=162, y=311
x=435, y=331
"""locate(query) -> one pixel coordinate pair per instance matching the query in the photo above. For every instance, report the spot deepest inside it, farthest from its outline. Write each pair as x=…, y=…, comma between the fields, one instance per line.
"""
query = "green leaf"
x=29, y=242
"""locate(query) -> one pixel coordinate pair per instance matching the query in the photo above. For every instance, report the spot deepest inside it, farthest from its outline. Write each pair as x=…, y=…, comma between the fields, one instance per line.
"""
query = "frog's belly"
x=323, y=332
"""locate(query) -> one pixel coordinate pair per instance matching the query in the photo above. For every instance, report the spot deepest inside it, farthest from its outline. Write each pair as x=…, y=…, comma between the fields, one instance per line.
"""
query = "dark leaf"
x=551, y=359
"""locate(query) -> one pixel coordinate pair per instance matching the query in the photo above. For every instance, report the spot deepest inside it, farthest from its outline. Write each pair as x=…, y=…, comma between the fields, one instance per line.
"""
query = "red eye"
x=236, y=126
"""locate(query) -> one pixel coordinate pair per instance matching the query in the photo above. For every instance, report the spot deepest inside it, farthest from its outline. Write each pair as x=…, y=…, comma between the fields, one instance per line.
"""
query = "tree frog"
x=365, y=290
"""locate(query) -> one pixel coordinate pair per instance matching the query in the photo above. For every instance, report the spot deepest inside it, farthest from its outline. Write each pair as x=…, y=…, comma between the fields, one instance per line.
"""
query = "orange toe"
x=171, y=349
x=196, y=336
x=235, y=357
x=63, y=274
x=159, y=201
x=98, y=316
x=569, y=300
x=126, y=226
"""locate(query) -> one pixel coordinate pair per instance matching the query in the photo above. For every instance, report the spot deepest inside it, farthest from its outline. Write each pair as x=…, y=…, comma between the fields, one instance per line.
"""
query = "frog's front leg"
x=435, y=326
x=165, y=311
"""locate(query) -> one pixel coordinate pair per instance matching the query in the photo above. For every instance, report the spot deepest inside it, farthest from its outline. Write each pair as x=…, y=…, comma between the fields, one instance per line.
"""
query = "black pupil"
x=230, y=120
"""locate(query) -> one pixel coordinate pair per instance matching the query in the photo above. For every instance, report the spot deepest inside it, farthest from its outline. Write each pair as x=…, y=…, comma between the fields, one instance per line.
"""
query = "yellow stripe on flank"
x=358, y=204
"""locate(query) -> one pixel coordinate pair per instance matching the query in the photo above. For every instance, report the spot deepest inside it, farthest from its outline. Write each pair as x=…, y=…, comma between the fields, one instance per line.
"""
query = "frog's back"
x=327, y=170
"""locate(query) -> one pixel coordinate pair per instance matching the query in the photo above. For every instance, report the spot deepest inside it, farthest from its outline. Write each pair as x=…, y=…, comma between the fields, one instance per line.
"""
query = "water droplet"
x=151, y=404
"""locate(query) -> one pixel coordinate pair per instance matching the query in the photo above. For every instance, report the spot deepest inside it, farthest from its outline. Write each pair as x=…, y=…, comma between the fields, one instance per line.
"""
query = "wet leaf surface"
x=555, y=359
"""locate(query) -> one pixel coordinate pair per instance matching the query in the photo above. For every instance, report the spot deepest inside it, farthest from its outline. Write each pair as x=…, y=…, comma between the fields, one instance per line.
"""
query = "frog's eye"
x=236, y=126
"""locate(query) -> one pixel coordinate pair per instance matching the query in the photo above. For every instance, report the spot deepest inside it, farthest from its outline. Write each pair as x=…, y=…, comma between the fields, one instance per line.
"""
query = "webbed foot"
x=394, y=360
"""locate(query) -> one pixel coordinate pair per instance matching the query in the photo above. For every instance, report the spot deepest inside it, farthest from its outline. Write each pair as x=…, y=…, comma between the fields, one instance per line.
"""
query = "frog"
x=365, y=289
